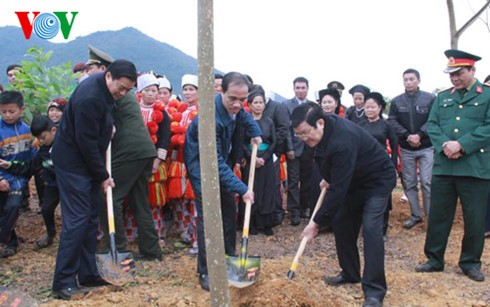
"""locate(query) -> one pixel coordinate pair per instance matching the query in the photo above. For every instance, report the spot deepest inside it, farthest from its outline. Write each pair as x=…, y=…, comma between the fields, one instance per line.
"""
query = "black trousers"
x=299, y=181
x=80, y=197
x=367, y=212
x=228, y=214
x=51, y=201
x=10, y=203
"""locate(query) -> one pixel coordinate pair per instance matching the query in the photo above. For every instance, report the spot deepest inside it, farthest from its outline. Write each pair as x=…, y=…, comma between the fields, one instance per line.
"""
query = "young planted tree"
x=40, y=83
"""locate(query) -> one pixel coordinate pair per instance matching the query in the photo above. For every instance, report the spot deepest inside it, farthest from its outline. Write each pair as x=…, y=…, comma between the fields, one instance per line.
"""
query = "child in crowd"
x=55, y=109
x=15, y=145
x=44, y=130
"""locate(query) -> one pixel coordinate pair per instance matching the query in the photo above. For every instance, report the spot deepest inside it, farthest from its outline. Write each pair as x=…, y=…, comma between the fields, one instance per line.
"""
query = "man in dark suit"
x=232, y=122
x=359, y=176
x=300, y=160
x=78, y=155
x=459, y=128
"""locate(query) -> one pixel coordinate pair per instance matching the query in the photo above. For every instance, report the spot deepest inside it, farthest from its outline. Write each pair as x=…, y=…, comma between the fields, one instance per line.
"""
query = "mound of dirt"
x=174, y=281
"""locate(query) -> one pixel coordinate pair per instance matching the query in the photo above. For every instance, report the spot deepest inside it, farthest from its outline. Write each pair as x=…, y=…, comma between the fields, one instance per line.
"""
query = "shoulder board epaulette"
x=446, y=89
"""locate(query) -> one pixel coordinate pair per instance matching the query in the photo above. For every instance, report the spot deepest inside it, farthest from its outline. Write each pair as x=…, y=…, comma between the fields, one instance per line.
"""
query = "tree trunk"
x=211, y=202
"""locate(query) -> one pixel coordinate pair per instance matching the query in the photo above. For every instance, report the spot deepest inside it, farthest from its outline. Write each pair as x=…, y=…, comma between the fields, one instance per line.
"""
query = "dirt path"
x=173, y=282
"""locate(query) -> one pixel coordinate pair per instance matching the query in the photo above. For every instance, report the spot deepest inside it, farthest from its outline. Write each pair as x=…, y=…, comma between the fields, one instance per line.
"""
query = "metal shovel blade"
x=242, y=272
x=14, y=297
x=116, y=270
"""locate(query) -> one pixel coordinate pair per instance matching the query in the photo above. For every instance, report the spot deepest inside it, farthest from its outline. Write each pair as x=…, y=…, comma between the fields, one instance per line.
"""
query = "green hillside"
x=128, y=43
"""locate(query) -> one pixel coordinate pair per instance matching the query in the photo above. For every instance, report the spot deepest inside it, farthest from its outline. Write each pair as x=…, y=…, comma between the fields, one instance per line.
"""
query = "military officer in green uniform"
x=459, y=128
x=133, y=153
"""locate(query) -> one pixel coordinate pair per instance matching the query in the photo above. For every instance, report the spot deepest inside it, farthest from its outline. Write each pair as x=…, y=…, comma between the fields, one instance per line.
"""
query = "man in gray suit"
x=300, y=160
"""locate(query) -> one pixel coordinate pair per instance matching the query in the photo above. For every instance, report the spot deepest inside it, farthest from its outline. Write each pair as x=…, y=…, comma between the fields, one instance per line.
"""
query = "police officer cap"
x=98, y=57
x=458, y=59
x=359, y=88
x=336, y=85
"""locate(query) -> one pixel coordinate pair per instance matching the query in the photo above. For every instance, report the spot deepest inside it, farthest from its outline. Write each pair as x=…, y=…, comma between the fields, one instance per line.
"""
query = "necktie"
x=462, y=92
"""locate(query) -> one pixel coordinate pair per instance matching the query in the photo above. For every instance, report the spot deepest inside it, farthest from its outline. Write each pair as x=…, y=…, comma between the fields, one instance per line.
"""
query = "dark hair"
x=333, y=93
x=256, y=92
x=257, y=87
x=249, y=78
x=41, y=123
x=13, y=66
x=412, y=71
x=1, y=87
x=122, y=68
x=309, y=112
x=378, y=98
x=301, y=79
x=218, y=76
x=487, y=79
x=9, y=97
x=234, y=78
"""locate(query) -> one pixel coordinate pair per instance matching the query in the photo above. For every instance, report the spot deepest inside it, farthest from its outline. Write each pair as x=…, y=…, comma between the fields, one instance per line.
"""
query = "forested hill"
x=128, y=43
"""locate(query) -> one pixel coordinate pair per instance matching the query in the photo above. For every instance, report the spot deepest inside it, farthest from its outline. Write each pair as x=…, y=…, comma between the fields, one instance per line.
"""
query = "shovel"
x=244, y=270
x=114, y=267
x=302, y=246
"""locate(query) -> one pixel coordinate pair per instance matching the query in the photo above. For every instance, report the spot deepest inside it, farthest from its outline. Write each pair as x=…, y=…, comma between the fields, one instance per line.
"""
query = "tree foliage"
x=40, y=83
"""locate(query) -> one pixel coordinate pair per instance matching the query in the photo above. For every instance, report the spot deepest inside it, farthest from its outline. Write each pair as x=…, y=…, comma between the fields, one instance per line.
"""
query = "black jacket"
x=409, y=115
x=353, y=162
x=85, y=130
x=280, y=116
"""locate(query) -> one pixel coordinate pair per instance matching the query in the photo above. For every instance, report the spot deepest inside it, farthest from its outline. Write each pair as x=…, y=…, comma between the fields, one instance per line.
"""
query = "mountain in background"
x=129, y=43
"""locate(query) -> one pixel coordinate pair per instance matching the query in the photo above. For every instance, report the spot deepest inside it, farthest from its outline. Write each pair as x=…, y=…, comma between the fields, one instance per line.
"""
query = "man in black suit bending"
x=359, y=176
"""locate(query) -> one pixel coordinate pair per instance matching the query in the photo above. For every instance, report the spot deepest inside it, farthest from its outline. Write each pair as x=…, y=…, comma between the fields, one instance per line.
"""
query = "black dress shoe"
x=305, y=214
x=144, y=257
x=268, y=231
x=94, y=282
x=339, y=280
x=372, y=302
x=474, y=274
x=204, y=281
x=68, y=294
x=426, y=268
x=295, y=221
x=412, y=222
x=279, y=218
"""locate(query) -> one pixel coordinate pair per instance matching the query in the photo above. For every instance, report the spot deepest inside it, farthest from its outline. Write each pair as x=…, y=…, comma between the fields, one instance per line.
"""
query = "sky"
x=274, y=41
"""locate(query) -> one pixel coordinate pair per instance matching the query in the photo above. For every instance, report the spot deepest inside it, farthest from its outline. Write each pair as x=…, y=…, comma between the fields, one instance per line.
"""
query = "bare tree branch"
x=472, y=19
x=455, y=34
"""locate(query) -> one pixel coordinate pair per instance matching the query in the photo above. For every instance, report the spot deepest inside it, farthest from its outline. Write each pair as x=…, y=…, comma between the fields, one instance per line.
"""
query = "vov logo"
x=46, y=25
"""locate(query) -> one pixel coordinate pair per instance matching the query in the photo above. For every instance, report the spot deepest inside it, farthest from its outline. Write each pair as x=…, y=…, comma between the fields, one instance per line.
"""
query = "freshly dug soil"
x=174, y=281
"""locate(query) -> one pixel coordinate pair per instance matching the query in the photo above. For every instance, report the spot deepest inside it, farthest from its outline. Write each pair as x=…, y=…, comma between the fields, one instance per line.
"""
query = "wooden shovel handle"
x=248, y=203
x=109, y=199
x=302, y=246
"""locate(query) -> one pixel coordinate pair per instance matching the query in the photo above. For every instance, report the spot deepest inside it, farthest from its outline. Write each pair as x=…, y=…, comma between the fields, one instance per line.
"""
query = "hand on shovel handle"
x=309, y=233
x=243, y=270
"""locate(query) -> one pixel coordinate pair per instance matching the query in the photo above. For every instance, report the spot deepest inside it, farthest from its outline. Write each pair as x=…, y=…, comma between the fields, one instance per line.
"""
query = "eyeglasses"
x=304, y=134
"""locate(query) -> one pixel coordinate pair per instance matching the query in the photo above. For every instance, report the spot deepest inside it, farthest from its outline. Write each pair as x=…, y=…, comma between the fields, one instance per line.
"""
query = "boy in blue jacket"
x=15, y=144
x=44, y=129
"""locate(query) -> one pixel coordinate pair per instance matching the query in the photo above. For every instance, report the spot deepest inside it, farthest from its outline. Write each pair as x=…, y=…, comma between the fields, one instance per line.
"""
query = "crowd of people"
x=440, y=140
